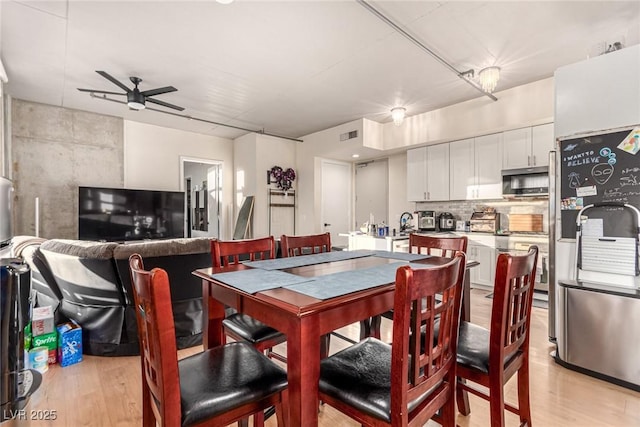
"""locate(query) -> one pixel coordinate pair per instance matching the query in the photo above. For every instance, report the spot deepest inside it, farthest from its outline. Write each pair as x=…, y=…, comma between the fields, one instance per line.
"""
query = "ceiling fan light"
x=489, y=78
x=135, y=105
x=397, y=114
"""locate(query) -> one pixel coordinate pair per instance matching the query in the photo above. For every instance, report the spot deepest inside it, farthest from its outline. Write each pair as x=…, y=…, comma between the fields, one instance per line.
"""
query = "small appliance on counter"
x=487, y=221
x=406, y=223
x=462, y=225
x=426, y=220
x=446, y=222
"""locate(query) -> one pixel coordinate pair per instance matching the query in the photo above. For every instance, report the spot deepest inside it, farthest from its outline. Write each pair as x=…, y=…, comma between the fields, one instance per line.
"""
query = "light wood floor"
x=105, y=391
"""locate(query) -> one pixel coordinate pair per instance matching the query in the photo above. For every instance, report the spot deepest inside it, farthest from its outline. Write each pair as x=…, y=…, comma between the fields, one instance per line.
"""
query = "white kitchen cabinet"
x=475, y=168
x=417, y=174
x=527, y=147
x=517, y=148
x=488, y=162
x=428, y=173
x=542, y=141
x=484, y=273
x=462, y=177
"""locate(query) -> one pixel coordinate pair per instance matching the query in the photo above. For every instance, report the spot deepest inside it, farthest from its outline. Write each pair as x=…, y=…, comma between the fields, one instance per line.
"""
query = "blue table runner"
x=346, y=282
x=255, y=280
x=301, y=261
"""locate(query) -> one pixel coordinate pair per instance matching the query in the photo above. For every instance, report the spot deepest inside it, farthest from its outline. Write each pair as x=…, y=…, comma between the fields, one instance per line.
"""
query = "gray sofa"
x=89, y=282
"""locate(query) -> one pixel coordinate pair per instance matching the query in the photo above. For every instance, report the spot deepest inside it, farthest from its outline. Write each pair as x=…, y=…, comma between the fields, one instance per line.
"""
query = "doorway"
x=336, y=200
x=201, y=180
x=372, y=192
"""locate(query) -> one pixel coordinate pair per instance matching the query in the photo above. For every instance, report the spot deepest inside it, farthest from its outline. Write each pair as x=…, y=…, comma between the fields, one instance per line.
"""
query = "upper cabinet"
x=428, y=173
x=417, y=174
x=462, y=177
x=542, y=141
x=528, y=147
x=475, y=168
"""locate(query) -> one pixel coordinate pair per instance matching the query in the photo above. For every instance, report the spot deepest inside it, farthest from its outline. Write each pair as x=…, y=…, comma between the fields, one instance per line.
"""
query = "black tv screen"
x=117, y=214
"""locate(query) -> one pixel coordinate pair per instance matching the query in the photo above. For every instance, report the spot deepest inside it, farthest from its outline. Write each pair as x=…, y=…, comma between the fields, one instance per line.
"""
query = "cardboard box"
x=42, y=321
x=50, y=341
x=525, y=222
x=69, y=343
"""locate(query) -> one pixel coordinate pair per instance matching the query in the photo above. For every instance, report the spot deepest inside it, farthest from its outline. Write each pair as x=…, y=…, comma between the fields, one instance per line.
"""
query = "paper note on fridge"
x=593, y=227
x=631, y=144
x=589, y=190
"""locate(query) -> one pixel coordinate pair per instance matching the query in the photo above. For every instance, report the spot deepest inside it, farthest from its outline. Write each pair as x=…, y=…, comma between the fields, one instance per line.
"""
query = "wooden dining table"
x=304, y=319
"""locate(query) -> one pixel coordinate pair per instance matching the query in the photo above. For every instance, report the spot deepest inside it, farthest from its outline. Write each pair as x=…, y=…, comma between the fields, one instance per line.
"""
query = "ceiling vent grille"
x=348, y=135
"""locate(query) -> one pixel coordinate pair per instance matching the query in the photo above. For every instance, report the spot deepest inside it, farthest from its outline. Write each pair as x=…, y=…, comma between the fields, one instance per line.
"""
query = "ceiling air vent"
x=348, y=135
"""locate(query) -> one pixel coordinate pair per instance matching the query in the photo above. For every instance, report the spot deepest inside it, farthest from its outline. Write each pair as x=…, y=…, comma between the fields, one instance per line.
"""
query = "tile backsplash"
x=463, y=209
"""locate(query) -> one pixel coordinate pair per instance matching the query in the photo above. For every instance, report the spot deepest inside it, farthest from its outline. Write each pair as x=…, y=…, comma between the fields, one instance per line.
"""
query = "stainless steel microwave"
x=525, y=182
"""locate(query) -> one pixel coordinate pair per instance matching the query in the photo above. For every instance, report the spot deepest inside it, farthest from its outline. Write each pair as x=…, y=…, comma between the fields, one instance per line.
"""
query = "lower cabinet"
x=483, y=274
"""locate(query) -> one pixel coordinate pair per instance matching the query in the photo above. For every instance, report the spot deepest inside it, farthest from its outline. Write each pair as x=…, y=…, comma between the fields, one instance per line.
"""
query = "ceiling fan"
x=135, y=98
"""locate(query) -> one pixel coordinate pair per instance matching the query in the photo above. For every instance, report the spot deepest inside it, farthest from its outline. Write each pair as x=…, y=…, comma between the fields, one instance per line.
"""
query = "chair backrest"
x=432, y=355
x=441, y=246
x=224, y=253
x=305, y=245
x=511, y=309
x=158, y=352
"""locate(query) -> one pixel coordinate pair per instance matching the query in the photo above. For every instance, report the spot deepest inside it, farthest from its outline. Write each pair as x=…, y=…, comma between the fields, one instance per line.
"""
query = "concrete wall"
x=54, y=150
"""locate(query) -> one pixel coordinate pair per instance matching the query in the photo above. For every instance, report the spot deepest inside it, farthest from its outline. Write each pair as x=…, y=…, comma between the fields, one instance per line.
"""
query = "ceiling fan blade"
x=113, y=80
x=164, y=104
x=101, y=91
x=159, y=91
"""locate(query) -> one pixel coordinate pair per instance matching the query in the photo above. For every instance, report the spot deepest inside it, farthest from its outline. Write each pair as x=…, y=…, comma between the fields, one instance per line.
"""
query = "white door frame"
x=182, y=178
x=349, y=188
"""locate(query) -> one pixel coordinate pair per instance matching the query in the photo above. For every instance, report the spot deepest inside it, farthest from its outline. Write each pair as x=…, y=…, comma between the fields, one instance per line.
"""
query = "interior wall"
x=54, y=150
x=522, y=106
x=309, y=154
x=255, y=154
x=398, y=202
x=152, y=160
x=244, y=167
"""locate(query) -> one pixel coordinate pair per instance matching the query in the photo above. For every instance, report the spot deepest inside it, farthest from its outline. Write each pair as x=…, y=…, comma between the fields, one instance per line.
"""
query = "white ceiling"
x=295, y=67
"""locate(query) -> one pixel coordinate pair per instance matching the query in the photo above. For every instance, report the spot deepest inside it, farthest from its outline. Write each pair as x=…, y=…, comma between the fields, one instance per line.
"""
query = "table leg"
x=303, y=372
x=212, y=317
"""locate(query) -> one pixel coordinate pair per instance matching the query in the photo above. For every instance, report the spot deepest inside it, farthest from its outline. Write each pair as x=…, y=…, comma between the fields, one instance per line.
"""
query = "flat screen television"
x=119, y=214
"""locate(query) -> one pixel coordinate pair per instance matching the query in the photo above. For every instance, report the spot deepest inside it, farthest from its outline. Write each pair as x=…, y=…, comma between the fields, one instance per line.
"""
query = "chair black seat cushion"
x=250, y=329
x=360, y=376
x=473, y=347
x=223, y=378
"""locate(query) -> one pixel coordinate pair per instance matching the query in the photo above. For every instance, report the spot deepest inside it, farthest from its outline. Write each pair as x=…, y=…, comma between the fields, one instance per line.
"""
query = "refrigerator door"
x=552, y=246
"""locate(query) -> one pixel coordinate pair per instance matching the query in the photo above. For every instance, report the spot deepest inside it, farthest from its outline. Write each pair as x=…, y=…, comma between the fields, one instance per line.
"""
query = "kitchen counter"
x=358, y=240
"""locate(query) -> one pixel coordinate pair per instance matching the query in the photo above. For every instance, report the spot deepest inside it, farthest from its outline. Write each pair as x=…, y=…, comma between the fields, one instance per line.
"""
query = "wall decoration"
x=283, y=178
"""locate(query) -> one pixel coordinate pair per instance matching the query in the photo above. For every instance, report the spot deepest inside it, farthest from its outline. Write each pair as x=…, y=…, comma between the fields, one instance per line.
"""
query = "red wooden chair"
x=491, y=357
x=408, y=382
x=241, y=326
x=291, y=246
x=216, y=387
x=305, y=245
x=429, y=245
x=439, y=246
